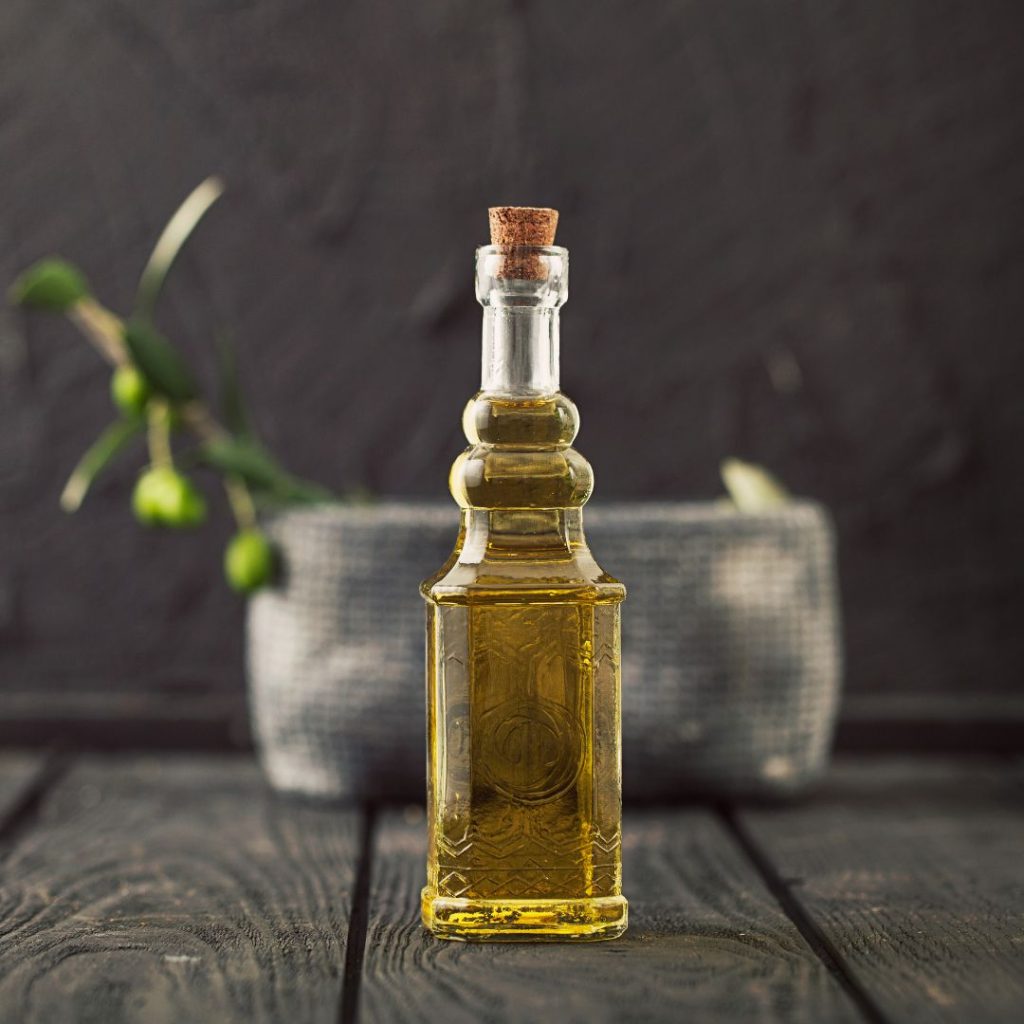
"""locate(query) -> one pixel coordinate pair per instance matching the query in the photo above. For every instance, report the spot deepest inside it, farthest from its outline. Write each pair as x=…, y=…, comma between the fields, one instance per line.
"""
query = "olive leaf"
x=166, y=372
x=232, y=403
x=752, y=488
x=97, y=457
x=173, y=237
x=244, y=459
x=52, y=284
x=258, y=469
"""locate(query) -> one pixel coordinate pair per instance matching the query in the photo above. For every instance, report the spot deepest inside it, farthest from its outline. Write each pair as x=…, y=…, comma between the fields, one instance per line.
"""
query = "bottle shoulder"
x=460, y=589
x=498, y=571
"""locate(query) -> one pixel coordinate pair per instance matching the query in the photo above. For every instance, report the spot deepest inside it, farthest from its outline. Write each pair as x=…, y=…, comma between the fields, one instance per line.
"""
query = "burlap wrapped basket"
x=730, y=633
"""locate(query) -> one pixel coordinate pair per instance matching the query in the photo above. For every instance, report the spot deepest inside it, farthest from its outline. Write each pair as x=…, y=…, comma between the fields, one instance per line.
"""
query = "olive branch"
x=156, y=397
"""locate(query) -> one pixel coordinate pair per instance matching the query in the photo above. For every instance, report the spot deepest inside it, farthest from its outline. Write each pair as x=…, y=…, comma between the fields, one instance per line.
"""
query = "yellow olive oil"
x=523, y=660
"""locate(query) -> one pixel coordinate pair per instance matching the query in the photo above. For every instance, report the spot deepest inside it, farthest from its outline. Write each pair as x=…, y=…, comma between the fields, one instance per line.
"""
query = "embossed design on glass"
x=524, y=804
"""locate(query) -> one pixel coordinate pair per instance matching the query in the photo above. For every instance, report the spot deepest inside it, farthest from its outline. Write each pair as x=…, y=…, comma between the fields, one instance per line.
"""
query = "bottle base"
x=472, y=920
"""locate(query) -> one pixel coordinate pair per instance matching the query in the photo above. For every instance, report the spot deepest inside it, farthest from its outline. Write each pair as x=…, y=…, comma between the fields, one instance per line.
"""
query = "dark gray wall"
x=796, y=234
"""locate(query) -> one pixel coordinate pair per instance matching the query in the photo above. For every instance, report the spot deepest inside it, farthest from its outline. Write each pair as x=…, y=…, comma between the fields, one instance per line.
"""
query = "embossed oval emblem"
x=531, y=749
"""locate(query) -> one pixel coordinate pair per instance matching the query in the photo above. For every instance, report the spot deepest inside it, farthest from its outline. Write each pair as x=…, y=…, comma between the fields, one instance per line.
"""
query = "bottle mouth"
x=511, y=250
x=522, y=275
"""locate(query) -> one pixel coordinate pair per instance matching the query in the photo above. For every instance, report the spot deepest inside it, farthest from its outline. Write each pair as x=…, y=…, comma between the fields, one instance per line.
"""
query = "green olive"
x=163, y=497
x=146, y=502
x=249, y=561
x=188, y=508
x=129, y=390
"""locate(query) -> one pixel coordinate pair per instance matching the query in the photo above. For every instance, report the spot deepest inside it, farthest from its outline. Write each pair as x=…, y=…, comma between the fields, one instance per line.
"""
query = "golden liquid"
x=523, y=693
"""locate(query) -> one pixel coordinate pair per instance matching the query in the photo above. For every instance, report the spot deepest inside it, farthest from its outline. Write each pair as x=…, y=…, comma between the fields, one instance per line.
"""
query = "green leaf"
x=170, y=243
x=159, y=362
x=232, y=404
x=244, y=459
x=99, y=455
x=51, y=284
x=752, y=488
x=258, y=469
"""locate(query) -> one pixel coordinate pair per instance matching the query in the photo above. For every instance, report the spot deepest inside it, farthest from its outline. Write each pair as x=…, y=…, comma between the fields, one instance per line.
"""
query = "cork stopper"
x=516, y=226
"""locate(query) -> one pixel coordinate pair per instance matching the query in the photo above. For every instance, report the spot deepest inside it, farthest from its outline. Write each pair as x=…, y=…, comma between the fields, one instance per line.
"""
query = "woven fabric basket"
x=730, y=632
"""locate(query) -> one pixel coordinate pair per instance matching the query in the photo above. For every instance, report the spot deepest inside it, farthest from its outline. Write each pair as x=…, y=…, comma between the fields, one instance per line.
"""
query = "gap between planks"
x=707, y=940
x=25, y=779
x=910, y=870
x=358, y=920
x=800, y=916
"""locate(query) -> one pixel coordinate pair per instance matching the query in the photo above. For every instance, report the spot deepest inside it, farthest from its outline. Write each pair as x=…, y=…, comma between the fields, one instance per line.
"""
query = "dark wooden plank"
x=176, y=890
x=706, y=942
x=912, y=871
x=931, y=723
x=92, y=717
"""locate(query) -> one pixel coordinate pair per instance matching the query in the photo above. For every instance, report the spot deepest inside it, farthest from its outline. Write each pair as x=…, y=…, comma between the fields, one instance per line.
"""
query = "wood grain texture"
x=167, y=890
x=706, y=943
x=795, y=237
x=913, y=872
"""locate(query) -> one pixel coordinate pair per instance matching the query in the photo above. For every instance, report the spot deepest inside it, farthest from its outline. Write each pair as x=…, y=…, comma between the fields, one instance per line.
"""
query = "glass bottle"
x=523, y=662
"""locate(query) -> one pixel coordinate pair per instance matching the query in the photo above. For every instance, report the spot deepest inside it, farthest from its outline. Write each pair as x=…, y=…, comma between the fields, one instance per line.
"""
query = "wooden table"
x=175, y=888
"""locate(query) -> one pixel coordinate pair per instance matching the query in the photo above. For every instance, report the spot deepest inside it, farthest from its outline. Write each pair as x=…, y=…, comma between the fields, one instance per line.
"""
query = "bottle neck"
x=520, y=350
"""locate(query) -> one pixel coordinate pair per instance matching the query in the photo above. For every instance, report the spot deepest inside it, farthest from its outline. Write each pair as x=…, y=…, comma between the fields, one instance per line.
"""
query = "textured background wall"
x=797, y=236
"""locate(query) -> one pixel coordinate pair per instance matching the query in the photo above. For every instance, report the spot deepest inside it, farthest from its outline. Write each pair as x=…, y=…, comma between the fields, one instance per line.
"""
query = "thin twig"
x=159, y=433
x=198, y=418
x=240, y=499
x=101, y=327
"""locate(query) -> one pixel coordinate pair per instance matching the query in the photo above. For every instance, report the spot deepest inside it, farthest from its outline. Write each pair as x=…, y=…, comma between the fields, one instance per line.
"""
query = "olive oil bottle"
x=523, y=663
